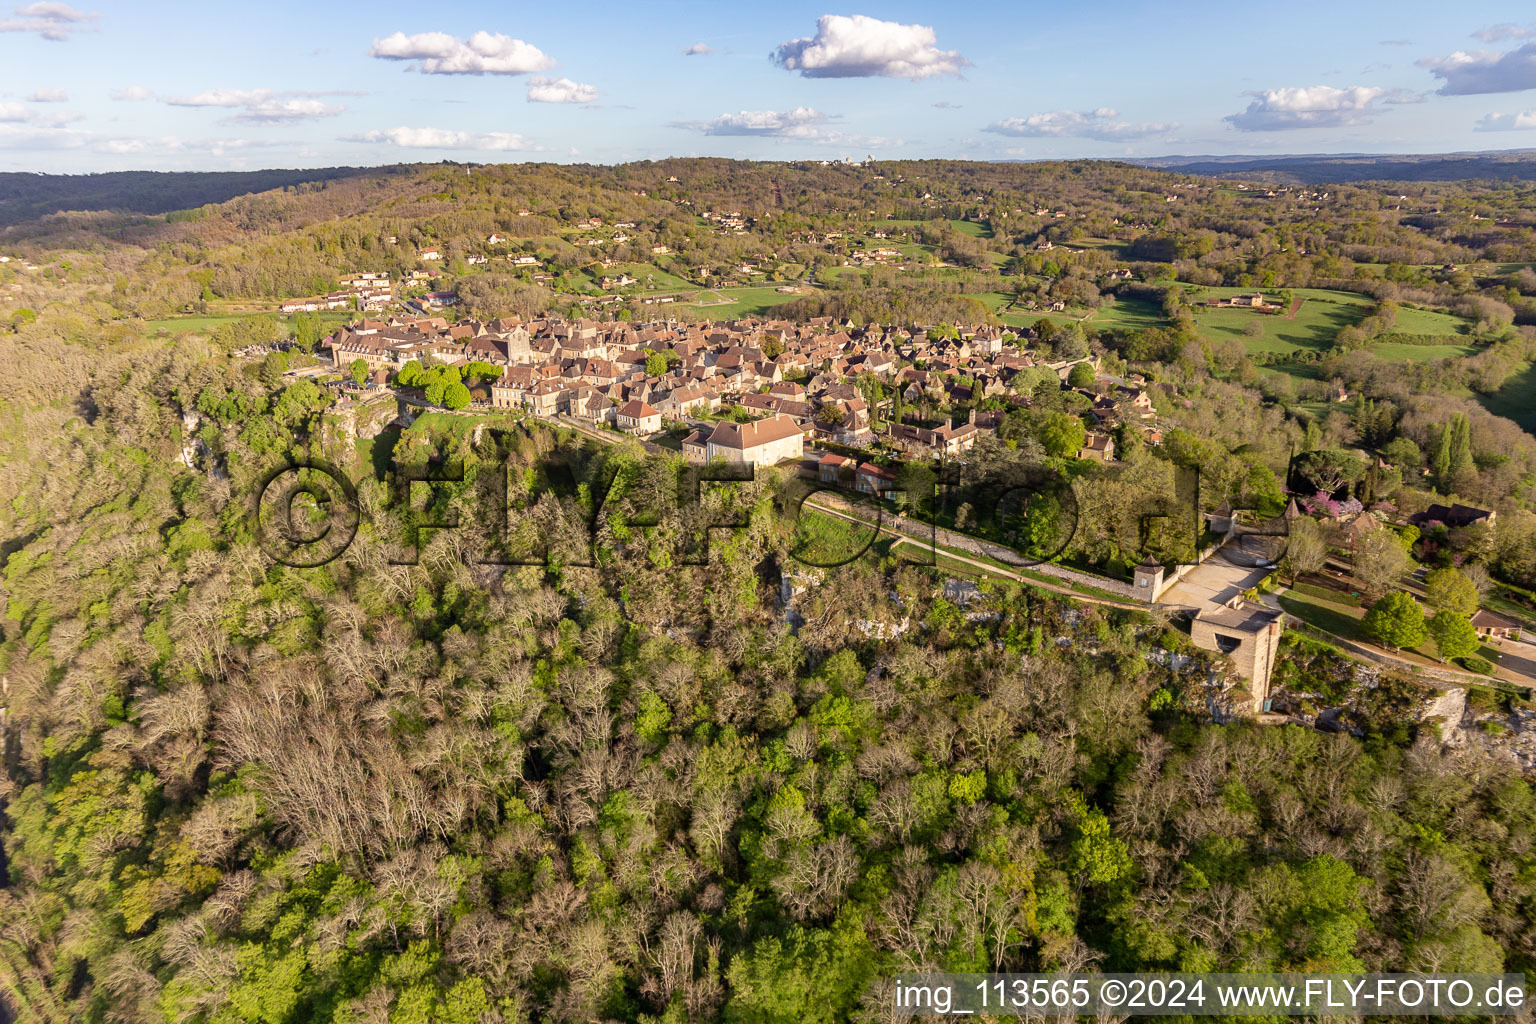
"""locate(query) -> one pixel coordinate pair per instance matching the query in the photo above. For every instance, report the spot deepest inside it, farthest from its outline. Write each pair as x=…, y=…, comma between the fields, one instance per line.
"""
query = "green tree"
x=308, y=329
x=1454, y=634
x=916, y=480
x=1097, y=856
x=481, y=370
x=297, y=403
x=1080, y=376
x=456, y=396
x=410, y=374
x=1328, y=469
x=1451, y=590
x=1396, y=621
x=655, y=364
x=1454, y=467
x=1069, y=342
x=1061, y=434
x=1404, y=454
x=273, y=366
x=359, y=371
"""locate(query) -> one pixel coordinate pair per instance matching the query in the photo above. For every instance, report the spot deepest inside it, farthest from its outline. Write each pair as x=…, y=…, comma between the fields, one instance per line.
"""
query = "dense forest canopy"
x=25, y=197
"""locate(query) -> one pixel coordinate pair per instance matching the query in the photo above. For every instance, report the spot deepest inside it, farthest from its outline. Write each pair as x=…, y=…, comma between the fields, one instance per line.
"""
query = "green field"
x=970, y=227
x=744, y=301
x=1110, y=245
x=833, y=274
x=910, y=250
x=1128, y=315
x=1321, y=316
x=1026, y=317
x=458, y=424
x=650, y=276
x=1119, y=315
x=1429, y=322
x=1396, y=351
x=822, y=539
x=442, y=422
x=994, y=301
x=1516, y=399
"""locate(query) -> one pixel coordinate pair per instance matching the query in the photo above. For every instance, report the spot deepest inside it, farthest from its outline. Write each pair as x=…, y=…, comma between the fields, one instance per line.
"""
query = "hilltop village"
x=937, y=389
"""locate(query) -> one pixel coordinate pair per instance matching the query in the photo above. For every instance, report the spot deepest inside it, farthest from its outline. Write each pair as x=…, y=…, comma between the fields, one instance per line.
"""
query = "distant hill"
x=25, y=197
x=1320, y=168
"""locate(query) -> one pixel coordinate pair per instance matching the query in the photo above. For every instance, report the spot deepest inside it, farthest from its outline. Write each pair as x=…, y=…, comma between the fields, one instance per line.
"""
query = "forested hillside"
x=435, y=792
x=621, y=786
x=25, y=197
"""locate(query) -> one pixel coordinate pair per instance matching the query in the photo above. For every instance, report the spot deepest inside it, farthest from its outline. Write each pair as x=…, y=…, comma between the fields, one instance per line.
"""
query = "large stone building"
x=1249, y=634
x=765, y=442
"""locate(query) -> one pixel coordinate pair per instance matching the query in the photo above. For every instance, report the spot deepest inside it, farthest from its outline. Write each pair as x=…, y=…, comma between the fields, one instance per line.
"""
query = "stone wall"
x=1117, y=587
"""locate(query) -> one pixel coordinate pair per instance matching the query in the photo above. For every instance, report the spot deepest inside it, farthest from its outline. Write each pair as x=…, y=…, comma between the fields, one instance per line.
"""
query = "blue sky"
x=109, y=85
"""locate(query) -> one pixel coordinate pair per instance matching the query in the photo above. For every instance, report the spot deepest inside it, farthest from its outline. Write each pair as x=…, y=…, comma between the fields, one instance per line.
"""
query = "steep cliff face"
x=1488, y=719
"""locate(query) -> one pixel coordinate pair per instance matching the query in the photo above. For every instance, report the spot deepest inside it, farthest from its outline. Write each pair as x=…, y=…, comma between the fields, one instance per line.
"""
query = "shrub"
x=1481, y=698
x=1472, y=663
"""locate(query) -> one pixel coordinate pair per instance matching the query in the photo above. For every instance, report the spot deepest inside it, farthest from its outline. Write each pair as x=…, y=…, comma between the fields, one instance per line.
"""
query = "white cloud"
x=12, y=112
x=1102, y=124
x=865, y=47
x=1503, y=30
x=802, y=122
x=1317, y=106
x=1467, y=73
x=129, y=146
x=47, y=95
x=262, y=106
x=118, y=147
x=443, y=138
x=133, y=93
x=1522, y=121
x=50, y=20
x=560, y=90
x=698, y=50
x=484, y=53
x=31, y=136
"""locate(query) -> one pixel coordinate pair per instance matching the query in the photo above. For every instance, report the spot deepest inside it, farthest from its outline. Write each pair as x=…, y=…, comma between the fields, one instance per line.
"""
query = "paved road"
x=895, y=525
x=1517, y=656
